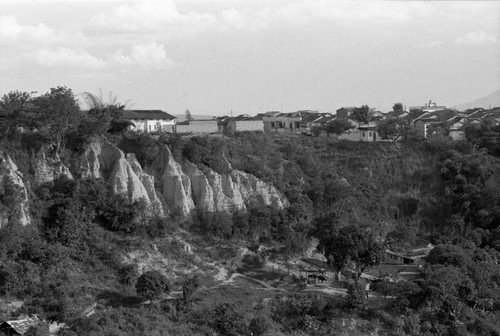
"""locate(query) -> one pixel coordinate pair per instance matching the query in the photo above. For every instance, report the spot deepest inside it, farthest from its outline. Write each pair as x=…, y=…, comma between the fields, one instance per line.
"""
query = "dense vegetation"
x=356, y=198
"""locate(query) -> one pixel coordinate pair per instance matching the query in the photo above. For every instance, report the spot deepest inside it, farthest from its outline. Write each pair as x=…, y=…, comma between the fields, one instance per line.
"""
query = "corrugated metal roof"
x=21, y=326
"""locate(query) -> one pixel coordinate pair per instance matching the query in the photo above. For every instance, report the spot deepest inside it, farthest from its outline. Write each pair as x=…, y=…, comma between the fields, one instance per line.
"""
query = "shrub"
x=253, y=261
x=228, y=320
x=128, y=274
x=356, y=296
x=259, y=325
x=152, y=285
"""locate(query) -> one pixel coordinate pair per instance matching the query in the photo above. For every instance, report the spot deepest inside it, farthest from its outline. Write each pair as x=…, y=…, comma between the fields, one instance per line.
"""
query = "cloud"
x=152, y=55
x=149, y=16
x=284, y=14
x=477, y=37
x=67, y=58
x=233, y=18
x=145, y=56
x=12, y=32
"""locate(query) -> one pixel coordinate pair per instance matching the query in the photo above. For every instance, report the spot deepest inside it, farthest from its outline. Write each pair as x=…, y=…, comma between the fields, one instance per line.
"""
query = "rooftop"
x=147, y=114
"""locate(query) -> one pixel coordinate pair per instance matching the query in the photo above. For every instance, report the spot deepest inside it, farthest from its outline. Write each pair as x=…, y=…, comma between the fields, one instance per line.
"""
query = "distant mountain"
x=182, y=117
x=492, y=100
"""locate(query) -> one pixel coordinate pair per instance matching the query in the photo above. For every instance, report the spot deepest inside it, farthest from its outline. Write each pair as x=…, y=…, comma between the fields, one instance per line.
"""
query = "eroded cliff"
x=167, y=186
x=14, y=205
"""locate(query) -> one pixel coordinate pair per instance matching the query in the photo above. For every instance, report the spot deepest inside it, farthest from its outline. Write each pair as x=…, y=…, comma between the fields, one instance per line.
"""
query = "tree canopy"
x=58, y=113
x=352, y=247
x=394, y=128
x=363, y=115
x=152, y=284
x=398, y=107
x=338, y=126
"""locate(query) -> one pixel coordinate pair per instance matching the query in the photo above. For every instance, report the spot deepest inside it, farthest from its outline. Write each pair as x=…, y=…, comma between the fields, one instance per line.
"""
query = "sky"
x=250, y=56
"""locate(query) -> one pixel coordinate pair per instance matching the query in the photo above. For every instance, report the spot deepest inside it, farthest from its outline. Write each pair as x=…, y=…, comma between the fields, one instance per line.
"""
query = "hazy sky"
x=249, y=56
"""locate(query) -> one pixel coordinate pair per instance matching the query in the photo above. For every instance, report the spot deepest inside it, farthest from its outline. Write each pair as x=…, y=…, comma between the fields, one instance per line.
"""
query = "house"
x=150, y=120
x=18, y=327
x=284, y=122
x=433, y=123
x=244, y=122
x=413, y=256
x=361, y=132
x=309, y=121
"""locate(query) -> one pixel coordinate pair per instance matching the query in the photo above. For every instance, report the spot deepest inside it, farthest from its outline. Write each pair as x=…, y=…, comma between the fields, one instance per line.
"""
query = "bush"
x=259, y=325
x=228, y=320
x=41, y=329
x=253, y=261
x=356, y=296
x=152, y=285
x=128, y=274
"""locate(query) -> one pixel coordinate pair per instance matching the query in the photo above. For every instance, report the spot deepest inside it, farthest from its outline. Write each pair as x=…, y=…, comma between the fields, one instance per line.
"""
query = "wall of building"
x=199, y=126
x=361, y=135
x=249, y=125
x=282, y=124
x=153, y=125
x=350, y=135
x=420, y=128
x=457, y=135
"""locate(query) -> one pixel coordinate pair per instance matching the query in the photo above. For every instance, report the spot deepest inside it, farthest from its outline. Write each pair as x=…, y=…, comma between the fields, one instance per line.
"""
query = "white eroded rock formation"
x=14, y=207
x=175, y=185
x=187, y=186
x=48, y=169
x=183, y=187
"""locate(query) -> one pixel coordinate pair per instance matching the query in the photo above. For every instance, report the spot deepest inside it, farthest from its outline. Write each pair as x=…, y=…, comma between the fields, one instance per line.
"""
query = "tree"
x=189, y=286
x=394, y=128
x=104, y=115
x=448, y=255
x=338, y=126
x=398, y=107
x=352, y=246
x=13, y=107
x=152, y=284
x=58, y=112
x=363, y=115
x=188, y=115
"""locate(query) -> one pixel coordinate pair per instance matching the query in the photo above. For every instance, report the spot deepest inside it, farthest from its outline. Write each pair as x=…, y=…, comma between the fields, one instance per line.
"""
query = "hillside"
x=113, y=232
x=489, y=101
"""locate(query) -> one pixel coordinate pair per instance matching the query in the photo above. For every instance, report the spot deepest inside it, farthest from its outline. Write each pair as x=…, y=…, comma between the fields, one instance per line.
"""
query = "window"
x=369, y=134
x=272, y=124
x=150, y=128
x=363, y=134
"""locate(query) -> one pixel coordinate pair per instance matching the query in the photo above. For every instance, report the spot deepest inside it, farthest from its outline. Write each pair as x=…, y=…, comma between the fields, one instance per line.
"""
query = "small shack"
x=18, y=327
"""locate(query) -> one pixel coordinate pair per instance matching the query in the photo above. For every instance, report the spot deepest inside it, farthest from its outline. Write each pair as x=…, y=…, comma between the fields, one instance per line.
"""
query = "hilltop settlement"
x=348, y=123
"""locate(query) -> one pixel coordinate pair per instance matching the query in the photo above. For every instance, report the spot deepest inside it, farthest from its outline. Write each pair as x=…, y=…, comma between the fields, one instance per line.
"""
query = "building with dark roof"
x=429, y=123
x=151, y=120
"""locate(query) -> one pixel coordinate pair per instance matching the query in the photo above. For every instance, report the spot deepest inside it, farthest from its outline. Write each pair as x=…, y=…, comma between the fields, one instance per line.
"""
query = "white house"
x=151, y=120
